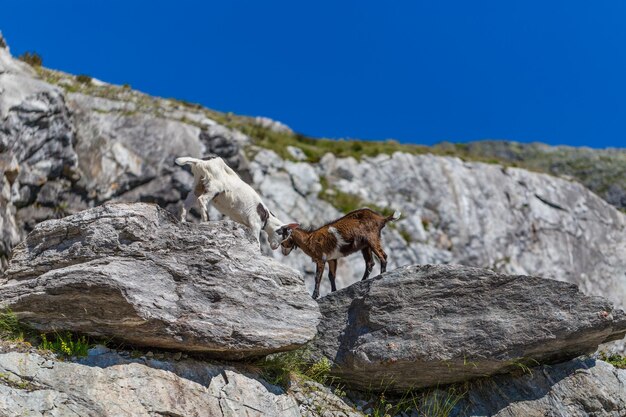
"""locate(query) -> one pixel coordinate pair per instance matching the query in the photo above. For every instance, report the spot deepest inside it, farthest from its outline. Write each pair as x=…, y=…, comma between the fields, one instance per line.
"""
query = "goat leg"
x=189, y=202
x=382, y=257
x=332, y=269
x=369, y=262
x=204, y=208
x=318, y=278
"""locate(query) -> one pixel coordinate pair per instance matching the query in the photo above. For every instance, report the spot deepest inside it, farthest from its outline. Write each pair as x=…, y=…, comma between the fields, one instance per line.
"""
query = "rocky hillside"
x=195, y=322
x=68, y=143
x=198, y=324
x=603, y=171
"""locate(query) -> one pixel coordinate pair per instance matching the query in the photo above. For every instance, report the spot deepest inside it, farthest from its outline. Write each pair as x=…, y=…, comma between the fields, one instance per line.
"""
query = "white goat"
x=215, y=182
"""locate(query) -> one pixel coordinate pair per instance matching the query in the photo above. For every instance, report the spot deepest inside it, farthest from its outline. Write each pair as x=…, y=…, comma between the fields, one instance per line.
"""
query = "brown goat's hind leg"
x=382, y=257
x=369, y=262
x=332, y=269
x=318, y=277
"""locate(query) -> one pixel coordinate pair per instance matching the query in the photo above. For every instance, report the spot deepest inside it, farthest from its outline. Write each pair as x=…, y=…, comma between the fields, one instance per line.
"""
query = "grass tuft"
x=429, y=403
x=83, y=79
x=346, y=202
x=31, y=58
x=439, y=403
x=10, y=327
x=406, y=236
x=524, y=365
x=614, y=359
x=66, y=344
x=280, y=368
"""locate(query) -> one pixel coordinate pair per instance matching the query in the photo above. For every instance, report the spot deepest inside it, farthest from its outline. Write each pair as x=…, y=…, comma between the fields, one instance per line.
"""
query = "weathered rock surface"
x=133, y=272
x=313, y=399
x=433, y=325
x=579, y=388
x=62, y=152
x=35, y=145
x=33, y=385
x=507, y=219
x=317, y=400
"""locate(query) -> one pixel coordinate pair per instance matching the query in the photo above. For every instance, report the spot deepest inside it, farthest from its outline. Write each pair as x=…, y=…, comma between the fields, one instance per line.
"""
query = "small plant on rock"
x=430, y=403
x=614, y=359
x=83, y=79
x=66, y=344
x=31, y=58
x=439, y=403
x=10, y=327
x=279, y=368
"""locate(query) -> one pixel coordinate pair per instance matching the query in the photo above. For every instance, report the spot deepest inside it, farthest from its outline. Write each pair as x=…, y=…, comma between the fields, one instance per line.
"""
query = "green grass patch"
x=83, y=79
x=31, y=58
x=614, y=359
x=280, y=368
x=65, y=344
x=439, y=403
x=429, y=403
x=347, y=202
x=10, y=327
x=406, y=235
x=313, y=148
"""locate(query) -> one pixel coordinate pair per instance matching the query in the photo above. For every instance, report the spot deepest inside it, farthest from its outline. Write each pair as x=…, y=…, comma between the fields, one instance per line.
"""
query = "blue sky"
x=415, y=71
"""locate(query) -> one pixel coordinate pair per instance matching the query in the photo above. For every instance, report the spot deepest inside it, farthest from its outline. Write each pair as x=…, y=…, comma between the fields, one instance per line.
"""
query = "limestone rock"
x=133, y=272
x=34, y=385
x=317, y=400
x=579, y=388
x=273, y=125
x=434, y=325
x=484, y=215
x=124, y=142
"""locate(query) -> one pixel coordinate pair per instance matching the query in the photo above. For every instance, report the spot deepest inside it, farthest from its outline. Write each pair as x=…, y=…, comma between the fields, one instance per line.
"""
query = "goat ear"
x=293, y=225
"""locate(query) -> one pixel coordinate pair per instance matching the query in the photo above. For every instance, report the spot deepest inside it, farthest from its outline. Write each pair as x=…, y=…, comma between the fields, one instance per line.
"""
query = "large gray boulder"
x=135, y=273
x=430, y=325
x=578, y=388
x=35, y=385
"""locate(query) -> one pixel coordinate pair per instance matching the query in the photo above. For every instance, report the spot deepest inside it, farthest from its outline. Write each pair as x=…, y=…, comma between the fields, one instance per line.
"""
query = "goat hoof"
x=316, y=295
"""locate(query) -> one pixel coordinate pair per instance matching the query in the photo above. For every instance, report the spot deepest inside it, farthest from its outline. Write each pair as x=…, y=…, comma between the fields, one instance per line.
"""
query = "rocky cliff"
x=67, y=144
x=134, y=277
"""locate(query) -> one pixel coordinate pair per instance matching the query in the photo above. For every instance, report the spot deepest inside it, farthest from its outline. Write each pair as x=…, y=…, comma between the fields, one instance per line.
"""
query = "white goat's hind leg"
x=204, y=207
x=189, y=202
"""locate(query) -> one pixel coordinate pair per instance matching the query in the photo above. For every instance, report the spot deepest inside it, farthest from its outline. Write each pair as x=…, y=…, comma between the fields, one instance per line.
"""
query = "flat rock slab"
x=421, y=326
x=135, y=273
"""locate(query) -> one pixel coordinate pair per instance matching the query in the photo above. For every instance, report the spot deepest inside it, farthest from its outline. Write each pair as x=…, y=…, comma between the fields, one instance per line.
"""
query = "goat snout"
x=286, y=250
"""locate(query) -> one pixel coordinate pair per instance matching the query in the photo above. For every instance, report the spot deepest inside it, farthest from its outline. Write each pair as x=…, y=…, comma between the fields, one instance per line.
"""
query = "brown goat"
x=358, y=230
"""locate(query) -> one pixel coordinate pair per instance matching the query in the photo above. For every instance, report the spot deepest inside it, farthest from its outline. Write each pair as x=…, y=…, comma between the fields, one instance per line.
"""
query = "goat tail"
x=395, y=216
x=186, y=160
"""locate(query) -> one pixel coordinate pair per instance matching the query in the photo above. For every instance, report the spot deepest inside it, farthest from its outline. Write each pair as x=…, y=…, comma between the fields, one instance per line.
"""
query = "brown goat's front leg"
x=332, y=269
x=369, y=262
x=318, y=277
